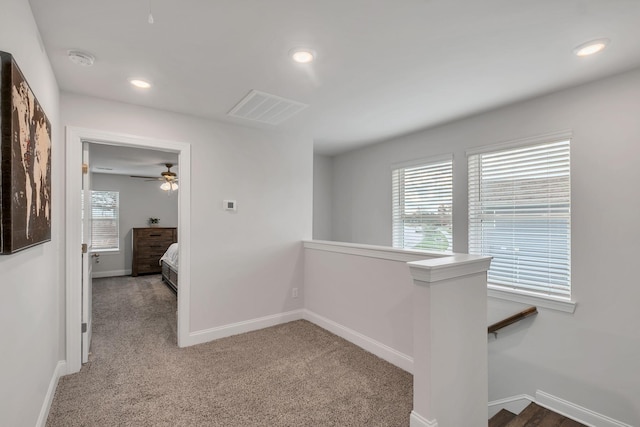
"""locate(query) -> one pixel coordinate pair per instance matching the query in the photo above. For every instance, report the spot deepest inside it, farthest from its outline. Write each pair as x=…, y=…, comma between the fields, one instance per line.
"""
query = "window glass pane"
x=422, y=205
x=520, y=214
x=105, y=220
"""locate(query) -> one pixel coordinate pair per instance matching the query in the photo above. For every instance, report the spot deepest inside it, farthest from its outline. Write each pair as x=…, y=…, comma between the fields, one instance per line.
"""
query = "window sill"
x=538, y=300
x=106, y=251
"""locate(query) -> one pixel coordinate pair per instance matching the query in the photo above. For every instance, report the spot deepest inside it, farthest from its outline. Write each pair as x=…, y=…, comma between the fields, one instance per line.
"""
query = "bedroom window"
x=105, y=227
x=422, y=205
x=520, y=214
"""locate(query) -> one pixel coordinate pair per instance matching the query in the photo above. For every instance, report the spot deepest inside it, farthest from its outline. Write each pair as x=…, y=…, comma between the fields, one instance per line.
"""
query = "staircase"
x=533, y=415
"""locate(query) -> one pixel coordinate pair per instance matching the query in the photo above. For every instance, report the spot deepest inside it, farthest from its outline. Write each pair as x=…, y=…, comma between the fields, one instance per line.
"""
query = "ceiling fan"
x=169, y=177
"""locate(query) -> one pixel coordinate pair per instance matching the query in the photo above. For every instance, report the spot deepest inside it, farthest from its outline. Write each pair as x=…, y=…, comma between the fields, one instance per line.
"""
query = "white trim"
x=73, y=144
x=377, y=348
x=106, y=251
x=372, y=251
x=60, y=370
x=563, y=135
x=417, y=420
x=184, y=249
x=576, y=412
x=111, y=273
x=538, y=300
x=425, y=161
x=515, y=404
x=73, y=148
x=456, y=265
x=224, y=331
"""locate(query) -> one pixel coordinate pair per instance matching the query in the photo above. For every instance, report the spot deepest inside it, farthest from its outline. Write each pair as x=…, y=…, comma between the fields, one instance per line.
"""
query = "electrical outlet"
x=294, y=292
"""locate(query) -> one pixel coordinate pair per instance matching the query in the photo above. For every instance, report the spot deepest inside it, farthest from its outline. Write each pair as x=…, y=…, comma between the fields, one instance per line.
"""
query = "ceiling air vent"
x=266, y=108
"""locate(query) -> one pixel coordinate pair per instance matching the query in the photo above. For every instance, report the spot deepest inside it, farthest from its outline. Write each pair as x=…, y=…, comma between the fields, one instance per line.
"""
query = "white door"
x=86, y=253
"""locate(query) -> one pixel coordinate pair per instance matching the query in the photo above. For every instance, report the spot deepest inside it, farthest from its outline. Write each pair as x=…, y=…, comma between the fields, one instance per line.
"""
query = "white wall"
x=322, y=196
x=589, y=357
x=31, y=307
x=139, y=200
x=243, y=264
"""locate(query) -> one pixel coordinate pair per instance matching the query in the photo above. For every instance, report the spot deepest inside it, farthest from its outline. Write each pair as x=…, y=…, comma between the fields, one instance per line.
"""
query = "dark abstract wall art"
x=25, y=163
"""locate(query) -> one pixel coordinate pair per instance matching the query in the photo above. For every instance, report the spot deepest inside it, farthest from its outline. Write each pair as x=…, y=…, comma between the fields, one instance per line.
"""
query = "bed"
x=169, y=263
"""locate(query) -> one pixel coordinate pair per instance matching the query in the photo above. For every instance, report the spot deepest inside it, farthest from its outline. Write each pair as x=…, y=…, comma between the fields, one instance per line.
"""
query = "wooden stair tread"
x=537, y=416
x=502, y=418
x=531, y=416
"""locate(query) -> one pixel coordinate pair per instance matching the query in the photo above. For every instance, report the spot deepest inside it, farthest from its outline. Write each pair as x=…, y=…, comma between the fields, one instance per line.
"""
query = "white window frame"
x=398, y=238
x=112, y=250
x=505, y=292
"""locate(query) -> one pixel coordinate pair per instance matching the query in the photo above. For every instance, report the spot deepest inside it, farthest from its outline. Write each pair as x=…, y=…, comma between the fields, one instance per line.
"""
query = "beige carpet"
x=295, y=374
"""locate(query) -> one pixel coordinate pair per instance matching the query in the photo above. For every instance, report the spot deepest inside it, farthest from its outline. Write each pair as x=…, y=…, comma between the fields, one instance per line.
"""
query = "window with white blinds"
x=422, y=205
x=105, y=227
x=520, y=214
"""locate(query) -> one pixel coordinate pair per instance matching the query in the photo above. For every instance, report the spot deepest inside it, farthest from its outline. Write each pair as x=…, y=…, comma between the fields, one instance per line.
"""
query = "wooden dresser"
x=149, y=244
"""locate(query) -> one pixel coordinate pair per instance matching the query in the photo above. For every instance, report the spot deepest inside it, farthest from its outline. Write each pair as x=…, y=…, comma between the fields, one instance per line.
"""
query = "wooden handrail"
x=530, y=311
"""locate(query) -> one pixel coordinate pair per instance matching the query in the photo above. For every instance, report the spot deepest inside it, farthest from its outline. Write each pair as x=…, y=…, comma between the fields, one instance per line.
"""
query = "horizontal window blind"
x=105, y=228
x=520, y=214
x=422, y=205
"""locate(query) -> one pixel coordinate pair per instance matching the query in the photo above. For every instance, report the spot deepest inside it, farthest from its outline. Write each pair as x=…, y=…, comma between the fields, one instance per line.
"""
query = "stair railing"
x=529, y=311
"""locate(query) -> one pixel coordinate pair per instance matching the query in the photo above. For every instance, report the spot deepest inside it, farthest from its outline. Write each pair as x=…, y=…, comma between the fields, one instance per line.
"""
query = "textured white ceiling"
x=130, y=161
x=383, y=67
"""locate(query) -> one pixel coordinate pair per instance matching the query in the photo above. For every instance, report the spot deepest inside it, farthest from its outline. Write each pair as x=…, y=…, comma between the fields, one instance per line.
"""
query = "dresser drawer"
x=152, y=250
x=148, y=267
x=155, y=236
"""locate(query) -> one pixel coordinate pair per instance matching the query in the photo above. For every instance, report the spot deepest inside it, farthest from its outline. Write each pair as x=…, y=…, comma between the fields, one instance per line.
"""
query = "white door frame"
x=87, y=261
x=74, y=138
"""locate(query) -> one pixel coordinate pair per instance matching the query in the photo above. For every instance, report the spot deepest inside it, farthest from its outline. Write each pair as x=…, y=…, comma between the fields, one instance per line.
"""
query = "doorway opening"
x=74, y=289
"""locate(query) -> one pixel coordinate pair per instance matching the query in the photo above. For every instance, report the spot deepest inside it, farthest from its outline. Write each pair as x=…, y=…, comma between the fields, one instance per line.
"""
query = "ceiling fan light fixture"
x=169, y=186
x=591, y=47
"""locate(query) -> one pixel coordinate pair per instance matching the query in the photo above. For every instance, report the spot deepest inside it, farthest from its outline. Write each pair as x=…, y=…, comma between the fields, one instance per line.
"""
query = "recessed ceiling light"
x=143, y=84
x=81, y=58
x=302, y=55
x=591, y=47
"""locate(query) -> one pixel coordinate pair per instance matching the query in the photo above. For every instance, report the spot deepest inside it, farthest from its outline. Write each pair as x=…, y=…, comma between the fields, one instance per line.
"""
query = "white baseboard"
x=381, y=350
x=576, y=412
x=61, y=369
x=417, y=420
x=223, y=331
x=513, y=404
x=112, y=273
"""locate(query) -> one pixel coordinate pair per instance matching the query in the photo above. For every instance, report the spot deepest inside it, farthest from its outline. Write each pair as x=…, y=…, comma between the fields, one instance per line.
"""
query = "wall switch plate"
x=294, y=292
x=229, y=205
